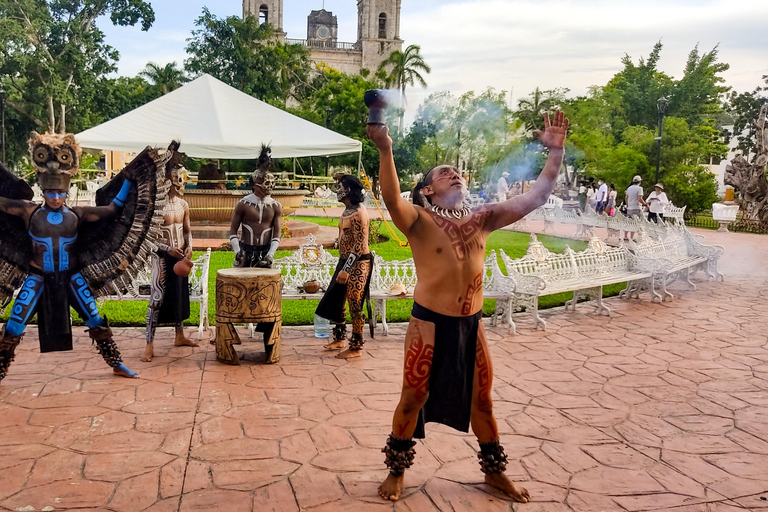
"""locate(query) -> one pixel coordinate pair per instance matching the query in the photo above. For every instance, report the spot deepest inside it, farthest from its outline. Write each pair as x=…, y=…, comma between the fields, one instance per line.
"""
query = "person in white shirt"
x=602, y=196
x=633, y=198
x=656, y=201
x=583, y=196
x=591, y=196
x=502, y=187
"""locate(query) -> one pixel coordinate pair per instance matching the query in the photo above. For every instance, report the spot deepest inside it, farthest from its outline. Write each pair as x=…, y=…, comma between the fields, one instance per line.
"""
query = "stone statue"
x=749, y=178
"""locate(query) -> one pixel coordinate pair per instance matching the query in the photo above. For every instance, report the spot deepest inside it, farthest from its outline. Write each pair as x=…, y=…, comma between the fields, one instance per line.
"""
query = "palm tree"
x=166, y=78
x=531, y=110
x=405, y=70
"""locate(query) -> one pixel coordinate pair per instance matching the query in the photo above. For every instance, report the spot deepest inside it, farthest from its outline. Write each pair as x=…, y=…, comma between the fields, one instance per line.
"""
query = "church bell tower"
x=378, y=30
x=267, y=11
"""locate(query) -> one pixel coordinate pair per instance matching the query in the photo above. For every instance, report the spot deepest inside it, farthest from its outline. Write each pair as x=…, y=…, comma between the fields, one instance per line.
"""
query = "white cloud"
x=522, y=44
x=511, y=44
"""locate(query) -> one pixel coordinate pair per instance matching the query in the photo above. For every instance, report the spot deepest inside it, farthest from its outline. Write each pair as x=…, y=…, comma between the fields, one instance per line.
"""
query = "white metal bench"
x=198, y=288
x=676, y=213
x=541, y=272
x=312, y=262
x=681, y=255
x=388, y=274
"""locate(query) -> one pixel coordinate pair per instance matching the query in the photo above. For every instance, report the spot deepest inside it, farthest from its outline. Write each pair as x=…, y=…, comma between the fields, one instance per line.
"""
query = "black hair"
x=418, y=197
x=612, y=186
x=356, y=194
x=265, y=160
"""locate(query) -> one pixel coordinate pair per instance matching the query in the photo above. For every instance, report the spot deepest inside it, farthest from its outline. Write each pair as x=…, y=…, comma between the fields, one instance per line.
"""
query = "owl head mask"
x=56, y=158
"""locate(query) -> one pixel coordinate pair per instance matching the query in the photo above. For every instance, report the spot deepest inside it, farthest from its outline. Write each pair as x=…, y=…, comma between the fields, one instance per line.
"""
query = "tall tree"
x=699, y=94
x=166, y=78
x=247, y=56
x=530, y=110
x=405, y=69
x=744, y=108
x=637, y=89
x=52, y=48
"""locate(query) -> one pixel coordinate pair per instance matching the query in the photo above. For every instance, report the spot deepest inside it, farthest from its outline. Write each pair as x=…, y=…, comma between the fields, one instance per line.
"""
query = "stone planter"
x=724, y=214
x=216, y=206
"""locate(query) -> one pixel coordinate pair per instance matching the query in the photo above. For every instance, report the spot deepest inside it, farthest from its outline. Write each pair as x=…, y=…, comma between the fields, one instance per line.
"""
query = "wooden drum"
x=248, y=295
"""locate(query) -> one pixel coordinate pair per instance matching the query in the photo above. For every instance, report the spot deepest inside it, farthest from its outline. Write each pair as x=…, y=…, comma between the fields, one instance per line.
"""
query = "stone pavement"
x=659, y=407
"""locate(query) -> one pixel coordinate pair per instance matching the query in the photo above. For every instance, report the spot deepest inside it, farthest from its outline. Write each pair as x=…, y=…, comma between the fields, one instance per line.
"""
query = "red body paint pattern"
x=472, y=289
x=466, y=237
x=484, y=378
x=418, y=365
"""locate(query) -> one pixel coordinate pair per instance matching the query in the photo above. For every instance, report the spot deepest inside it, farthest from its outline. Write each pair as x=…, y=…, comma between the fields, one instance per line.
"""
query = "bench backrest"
x=540, y=261
x=309, y=262
x=674, y=212
x=389, y=273
x=597, y=259
x=668, y=242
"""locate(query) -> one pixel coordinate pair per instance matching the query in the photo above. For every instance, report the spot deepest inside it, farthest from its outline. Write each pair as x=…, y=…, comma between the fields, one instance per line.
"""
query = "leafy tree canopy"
x=245, y=55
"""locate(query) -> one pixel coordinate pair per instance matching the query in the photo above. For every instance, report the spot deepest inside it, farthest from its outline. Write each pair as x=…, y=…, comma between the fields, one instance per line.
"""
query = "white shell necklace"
x=451, y=214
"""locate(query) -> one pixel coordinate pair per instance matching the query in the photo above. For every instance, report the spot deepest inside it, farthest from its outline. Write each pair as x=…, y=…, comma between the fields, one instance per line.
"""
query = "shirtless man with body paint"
x=174, y=244
x=448, y=241
x=261, y=218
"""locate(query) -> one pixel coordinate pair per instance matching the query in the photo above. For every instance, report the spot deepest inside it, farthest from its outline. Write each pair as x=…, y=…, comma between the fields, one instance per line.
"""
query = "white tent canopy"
x=213, y=120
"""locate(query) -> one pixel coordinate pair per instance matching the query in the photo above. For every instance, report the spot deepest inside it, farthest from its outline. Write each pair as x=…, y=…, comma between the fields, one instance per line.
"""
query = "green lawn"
x=301, y=312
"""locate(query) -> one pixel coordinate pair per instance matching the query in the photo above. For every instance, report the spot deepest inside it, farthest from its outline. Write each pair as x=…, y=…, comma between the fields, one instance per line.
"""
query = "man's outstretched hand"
x=553, y=136
x=379, y=135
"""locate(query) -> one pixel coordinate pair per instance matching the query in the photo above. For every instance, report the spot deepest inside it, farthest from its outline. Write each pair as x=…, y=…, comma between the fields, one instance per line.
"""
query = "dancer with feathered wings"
x=62, y=255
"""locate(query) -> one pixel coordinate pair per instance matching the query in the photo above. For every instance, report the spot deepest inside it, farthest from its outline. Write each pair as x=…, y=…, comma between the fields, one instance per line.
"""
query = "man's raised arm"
x=553, y=138
x=403, y=213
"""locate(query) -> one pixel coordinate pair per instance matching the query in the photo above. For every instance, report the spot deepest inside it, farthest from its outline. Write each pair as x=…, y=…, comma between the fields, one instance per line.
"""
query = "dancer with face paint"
x=447, y=374
x=261, y=219
x=352, y=280
x=67, y=255
x=169, y=292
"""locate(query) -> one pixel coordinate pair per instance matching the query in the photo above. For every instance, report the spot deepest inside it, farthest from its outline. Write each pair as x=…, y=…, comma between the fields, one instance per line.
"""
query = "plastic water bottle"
x=322, y=327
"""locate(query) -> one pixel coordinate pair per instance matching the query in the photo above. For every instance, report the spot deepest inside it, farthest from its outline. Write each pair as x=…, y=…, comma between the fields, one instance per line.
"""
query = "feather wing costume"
x=112, y=252
x=15, y=244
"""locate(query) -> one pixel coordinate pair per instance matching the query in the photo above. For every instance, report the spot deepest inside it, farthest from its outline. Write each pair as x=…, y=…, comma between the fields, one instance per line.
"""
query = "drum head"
x=245, y=273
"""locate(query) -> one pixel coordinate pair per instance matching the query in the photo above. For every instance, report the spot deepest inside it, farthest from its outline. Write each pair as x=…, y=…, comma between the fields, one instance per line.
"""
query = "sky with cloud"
x=511, y=45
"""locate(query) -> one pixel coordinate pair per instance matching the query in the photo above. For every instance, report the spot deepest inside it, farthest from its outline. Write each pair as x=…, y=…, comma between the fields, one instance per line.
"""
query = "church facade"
x=378, y=33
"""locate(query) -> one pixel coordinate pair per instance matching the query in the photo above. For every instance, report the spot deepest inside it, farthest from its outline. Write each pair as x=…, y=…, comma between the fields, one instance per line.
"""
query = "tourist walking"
x=592, y=196
x=502, y=187
x=611, y=200
x=602, y=196
x=656, y=202
x=633, y=198
x=583, y=195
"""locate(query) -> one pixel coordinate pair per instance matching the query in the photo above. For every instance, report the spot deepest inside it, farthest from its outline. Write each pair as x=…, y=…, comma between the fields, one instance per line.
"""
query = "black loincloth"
x=253, y=254
x=175, y=306
x=54, y=325
x=331, y=306
x=452, y=374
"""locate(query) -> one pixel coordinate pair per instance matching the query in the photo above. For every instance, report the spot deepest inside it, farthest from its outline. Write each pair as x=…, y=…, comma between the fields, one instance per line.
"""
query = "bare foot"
x=392, y=487
x=123, y=371
x=149, y=352
x=349, y=354
x=505, y=485
x=334, y=345
x=183, y=341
